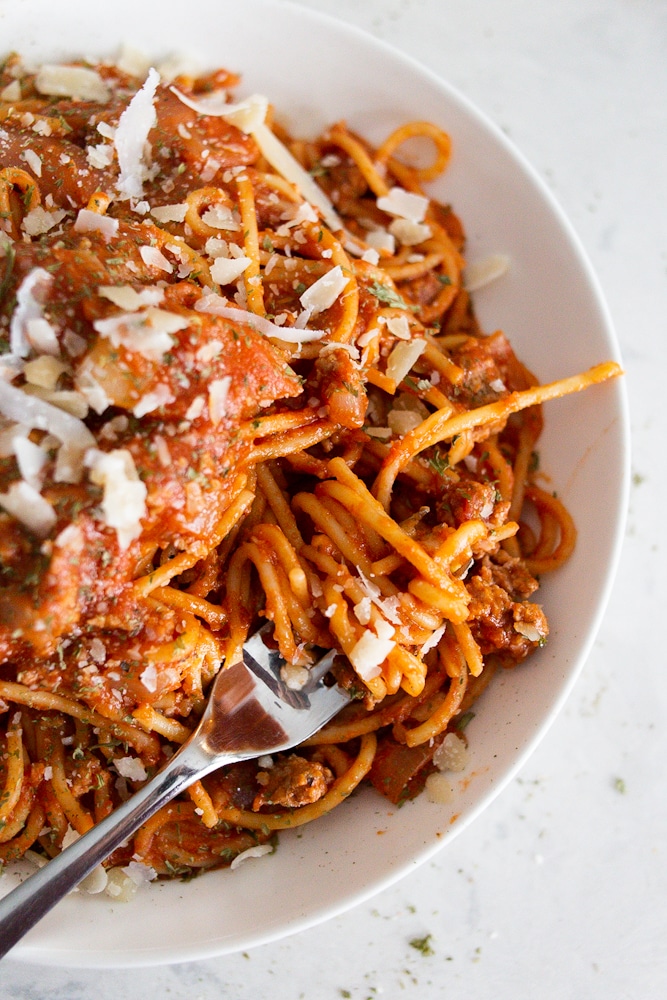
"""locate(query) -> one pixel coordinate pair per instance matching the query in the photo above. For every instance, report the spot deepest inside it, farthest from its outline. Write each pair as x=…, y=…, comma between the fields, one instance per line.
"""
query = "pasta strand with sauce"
x=242, y=379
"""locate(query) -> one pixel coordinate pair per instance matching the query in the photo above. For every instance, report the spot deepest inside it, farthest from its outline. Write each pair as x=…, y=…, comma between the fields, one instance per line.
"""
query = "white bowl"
x=317, y=71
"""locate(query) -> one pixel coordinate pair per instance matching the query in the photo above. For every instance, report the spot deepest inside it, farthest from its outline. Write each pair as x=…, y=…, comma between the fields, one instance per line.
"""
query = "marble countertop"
x=559, y=889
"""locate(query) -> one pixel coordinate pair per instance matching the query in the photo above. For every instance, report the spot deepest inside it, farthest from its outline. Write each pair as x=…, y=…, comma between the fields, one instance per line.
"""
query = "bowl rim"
x=31, y=950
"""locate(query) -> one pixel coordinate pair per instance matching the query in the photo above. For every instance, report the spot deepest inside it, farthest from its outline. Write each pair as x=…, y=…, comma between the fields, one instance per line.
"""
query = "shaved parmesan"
x=220, y=217
x=403, y=357
x=160, y=396
x=410, y=233
x=529, y=631
x=129, y=299
x=294, y=676
x=31, y=460
x=438, y=788
x=282, y=160
x=29, y=300
x=369, y=653
x=12, y=92
x=95, y=882
x=90, y=222
x=252, y=852
x=42, y=336
x=218, y=391
x=124, y=499
x=323, y=293
x=153, y=257
x=33, y=161
x=131, y=139
x=38, y=221
x=433, y=640
x=148, y=677
x=196, y=408
x=65, y=399
x=77, y=82
x=452, y=754
x=146, y=332
x=29, y=507
x=36, y=413
x=250, y=116
x=404, y=204
x=225, y=270
x=483, y=272
x=246, y=115
x=398, y=326
x=387, y=605
x=169, y=213
x=100, y=156
x=133, y=61
x=215, y=304
x=90, y=388
x=140, y=873
x=130, y=767
x=381, y=240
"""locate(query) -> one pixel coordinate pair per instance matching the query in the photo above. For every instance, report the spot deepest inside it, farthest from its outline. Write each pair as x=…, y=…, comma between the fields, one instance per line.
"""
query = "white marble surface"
x=559, y=890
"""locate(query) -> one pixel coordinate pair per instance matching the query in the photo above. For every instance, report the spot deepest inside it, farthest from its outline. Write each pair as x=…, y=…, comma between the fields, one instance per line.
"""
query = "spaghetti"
x=242, y=379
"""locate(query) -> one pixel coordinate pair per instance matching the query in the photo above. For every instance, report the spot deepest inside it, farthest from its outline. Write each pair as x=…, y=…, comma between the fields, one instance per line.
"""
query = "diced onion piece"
x=528, y=630
x=483, y=272
x=403, y=356
x=29, y=507
x=77, y=82
x=44, y=371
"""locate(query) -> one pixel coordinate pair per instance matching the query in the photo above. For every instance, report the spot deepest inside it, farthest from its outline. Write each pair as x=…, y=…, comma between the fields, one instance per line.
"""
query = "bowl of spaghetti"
x=288, y=351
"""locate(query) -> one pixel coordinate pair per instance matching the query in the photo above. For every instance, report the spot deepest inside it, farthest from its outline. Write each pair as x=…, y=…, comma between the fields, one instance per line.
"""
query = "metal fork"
x=250, y=712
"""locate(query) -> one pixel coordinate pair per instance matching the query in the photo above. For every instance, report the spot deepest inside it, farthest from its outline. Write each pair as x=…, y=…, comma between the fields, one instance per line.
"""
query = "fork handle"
x=33, y=898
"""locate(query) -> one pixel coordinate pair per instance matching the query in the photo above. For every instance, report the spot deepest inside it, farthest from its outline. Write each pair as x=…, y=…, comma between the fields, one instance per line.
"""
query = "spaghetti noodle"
x=242, y=379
